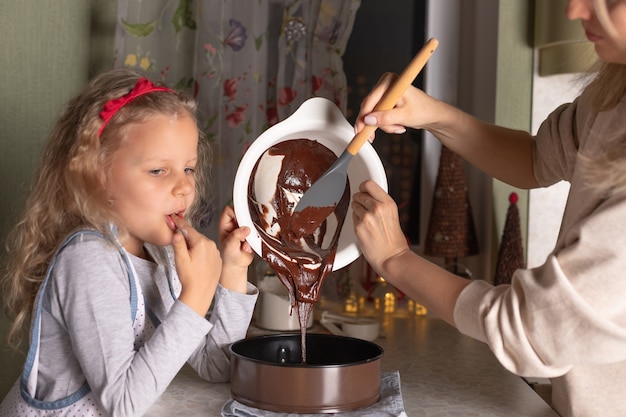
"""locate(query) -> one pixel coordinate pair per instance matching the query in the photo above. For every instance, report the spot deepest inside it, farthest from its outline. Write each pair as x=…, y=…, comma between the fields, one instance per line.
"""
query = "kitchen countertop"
x=442, y=372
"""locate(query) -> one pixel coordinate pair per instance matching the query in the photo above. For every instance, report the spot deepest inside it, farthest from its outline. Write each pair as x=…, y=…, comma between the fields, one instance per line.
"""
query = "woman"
x=564, y=320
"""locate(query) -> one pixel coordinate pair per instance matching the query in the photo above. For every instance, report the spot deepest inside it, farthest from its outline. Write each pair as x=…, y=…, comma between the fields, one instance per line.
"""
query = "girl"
x=565, y=320
x=105, y=260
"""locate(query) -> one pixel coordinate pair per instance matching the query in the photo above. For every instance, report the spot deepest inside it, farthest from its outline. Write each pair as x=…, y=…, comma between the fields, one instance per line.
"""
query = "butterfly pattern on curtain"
x=249, y=63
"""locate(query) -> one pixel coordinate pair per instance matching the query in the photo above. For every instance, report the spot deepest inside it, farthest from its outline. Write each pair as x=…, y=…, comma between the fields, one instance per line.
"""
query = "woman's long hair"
x=606, y=171
x=67, y=191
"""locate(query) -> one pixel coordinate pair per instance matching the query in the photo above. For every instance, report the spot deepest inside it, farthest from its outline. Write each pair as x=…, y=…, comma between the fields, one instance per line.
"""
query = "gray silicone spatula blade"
x=324, y=195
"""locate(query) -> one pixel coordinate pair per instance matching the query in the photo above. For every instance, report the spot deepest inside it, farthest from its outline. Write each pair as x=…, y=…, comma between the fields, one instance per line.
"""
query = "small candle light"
x=416, y=308
x=390, y=302
x=355, y=301
x=385, y=296
x=351, y=304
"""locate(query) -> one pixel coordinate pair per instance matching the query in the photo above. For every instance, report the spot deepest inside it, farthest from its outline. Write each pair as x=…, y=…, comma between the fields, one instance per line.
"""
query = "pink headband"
x=111, y=107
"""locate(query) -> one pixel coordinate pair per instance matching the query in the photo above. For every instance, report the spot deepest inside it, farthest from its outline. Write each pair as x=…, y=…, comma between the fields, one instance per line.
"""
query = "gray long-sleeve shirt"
x=87, y=334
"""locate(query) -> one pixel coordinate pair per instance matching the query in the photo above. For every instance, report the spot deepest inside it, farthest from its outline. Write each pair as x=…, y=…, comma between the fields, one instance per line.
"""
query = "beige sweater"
x=566, y=320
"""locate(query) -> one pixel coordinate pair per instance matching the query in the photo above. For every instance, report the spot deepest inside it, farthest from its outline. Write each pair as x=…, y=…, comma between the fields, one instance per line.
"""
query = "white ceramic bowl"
x=317, y=119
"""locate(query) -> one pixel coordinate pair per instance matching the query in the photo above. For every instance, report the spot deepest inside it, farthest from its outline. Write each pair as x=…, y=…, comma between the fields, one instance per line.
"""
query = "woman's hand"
x=414, y=109
x=198, y=263
x=377, y=226
x=503, y=153
x=237, y=254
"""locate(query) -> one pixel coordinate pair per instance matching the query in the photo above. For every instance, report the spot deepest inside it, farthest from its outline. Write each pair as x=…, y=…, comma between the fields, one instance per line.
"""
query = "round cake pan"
x=341, y=373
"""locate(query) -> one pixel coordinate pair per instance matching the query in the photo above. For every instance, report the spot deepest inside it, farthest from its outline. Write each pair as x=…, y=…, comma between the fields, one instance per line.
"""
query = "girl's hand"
x=377, y=226
x=237, y=254
x=198, y=263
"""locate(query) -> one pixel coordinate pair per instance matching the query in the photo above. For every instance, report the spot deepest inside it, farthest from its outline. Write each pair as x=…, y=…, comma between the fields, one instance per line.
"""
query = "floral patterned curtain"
x=249, y=63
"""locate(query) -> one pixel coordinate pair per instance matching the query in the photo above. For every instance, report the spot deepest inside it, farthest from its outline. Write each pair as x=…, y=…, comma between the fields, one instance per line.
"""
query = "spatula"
x=320, y=200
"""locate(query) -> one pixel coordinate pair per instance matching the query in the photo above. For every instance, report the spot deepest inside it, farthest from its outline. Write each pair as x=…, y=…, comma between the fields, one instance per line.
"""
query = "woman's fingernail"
x=400, y=131
x=370, y=120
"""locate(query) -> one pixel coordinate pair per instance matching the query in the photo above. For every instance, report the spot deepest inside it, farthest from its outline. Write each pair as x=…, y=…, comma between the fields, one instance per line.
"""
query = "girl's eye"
x=190, y=171
x=157, y=171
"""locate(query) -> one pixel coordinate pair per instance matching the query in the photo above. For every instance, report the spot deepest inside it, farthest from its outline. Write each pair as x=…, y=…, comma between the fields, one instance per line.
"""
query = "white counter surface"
x=443, y=373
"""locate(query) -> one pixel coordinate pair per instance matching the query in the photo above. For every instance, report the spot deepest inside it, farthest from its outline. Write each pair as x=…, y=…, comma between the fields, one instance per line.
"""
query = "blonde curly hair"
x=67, y=191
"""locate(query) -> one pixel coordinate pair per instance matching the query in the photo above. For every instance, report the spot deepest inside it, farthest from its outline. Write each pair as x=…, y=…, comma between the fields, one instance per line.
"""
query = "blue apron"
x=20, y=401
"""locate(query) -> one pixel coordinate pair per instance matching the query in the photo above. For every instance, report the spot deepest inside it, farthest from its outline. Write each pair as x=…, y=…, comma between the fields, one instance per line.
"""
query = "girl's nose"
x=184, y=186
x=579, y=9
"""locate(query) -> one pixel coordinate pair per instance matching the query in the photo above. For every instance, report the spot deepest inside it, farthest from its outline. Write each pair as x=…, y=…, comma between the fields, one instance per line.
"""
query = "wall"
x=546, y=205
x=483, y=66
x=49, y=50
x=514, y=96
x=562, y=57
x=494, y=74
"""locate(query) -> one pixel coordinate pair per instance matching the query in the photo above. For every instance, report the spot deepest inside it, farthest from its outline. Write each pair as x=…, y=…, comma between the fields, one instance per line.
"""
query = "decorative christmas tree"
x=451, y=232
x=511, y=253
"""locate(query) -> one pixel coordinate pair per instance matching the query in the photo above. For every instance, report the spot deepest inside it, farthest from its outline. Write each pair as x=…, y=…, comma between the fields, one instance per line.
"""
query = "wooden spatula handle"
x=393, y=94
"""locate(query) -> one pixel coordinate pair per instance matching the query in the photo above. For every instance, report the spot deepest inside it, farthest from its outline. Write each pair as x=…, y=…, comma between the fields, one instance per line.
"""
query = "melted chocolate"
x=300, y=257
x=307, y=220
